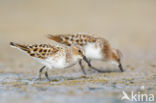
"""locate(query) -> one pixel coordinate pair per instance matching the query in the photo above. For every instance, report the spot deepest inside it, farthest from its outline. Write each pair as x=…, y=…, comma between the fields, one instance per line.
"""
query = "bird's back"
x=41, y=51
x=94, y=47
x=70, y=39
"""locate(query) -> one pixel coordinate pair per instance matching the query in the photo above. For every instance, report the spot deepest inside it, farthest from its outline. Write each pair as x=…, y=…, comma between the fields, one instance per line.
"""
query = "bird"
x=95, y=48
x=52, y=56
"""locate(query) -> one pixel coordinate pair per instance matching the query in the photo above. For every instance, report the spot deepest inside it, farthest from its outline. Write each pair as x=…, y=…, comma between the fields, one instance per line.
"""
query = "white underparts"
x=93, y=52
x=56, y=63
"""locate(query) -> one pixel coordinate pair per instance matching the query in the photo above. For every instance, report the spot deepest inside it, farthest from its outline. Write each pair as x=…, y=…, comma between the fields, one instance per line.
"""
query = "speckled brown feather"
x=41, y=51
x=69, y=39
x=83, y=39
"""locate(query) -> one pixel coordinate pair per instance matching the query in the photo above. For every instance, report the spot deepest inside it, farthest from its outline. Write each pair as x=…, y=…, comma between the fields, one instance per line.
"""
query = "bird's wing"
x=72, y=39
x=41, y=51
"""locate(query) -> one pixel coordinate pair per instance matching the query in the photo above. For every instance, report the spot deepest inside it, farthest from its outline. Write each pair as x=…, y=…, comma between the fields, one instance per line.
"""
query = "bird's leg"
x=82, y=68
x=40, y=72
x=89, y=64
x=46, y=75
x=120, y=66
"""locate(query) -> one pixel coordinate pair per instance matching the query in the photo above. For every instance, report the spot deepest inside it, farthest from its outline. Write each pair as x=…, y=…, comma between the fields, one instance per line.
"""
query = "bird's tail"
x=19, y=46
x=63, y=39
x=56, y=38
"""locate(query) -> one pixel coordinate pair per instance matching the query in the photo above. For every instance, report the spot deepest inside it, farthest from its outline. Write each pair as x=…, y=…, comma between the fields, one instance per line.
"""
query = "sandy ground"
x=128, y=25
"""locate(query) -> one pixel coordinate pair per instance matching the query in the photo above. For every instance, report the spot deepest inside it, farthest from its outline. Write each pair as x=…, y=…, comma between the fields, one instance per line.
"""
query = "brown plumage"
x=41, y=51
x=94, y=47
x=82, y=40
x=70, y=39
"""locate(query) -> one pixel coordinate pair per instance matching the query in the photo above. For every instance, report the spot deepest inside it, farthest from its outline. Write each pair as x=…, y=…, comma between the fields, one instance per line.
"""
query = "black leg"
x=89, y=64
x=46, y=75
x=100, y=71
x=82, y=68
x=40, y=72
x=120, y=66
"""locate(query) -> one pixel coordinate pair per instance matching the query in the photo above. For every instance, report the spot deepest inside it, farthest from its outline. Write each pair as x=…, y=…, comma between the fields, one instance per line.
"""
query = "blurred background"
x=129, y=25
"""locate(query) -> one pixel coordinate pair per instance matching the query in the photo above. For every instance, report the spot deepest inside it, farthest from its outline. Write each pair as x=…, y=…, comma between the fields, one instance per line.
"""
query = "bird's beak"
x=120, y=66
x=85, y=59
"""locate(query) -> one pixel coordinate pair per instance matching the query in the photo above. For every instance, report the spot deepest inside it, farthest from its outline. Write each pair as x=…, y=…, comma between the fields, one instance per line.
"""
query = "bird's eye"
x=79, y=51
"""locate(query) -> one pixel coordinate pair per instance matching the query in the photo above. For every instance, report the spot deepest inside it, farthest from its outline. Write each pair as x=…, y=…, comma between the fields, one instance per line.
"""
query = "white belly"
x=57, y=63
x=92, y=52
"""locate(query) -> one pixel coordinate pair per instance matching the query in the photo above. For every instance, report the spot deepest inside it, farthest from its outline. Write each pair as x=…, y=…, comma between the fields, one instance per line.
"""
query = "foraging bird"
x=52, y=56
x=95, y=48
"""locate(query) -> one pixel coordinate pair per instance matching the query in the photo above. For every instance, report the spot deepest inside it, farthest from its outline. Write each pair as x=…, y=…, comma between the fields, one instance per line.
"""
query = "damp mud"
x=18, y=82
